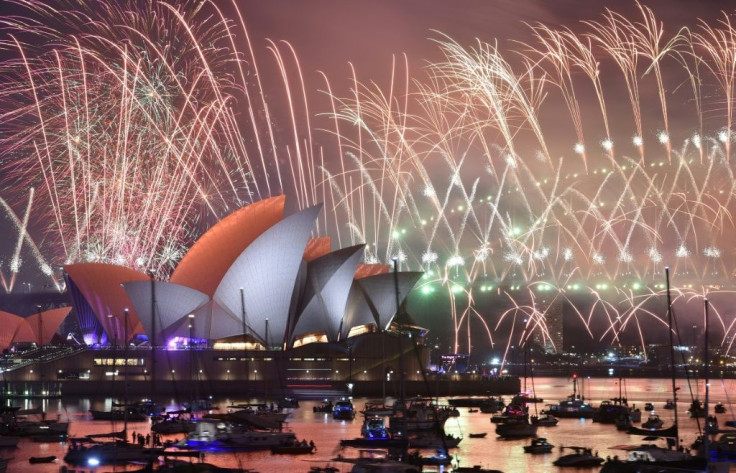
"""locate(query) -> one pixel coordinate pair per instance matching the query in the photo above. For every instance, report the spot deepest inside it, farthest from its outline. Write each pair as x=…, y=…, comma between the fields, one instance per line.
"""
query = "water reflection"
x=491, y=452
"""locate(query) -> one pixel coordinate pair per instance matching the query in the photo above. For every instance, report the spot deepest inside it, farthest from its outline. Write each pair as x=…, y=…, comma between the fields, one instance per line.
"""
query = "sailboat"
x=516, y=423
x=644, y=457
x=89, y=452
x=574, y=406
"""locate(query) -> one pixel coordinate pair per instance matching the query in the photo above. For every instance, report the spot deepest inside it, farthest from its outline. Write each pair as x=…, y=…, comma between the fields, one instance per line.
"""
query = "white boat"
x=260, y=419
x=227, y=435
x=420, y=414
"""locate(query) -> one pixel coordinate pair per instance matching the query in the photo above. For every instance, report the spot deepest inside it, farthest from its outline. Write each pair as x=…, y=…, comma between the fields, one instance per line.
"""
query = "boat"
x=343, y=410
x=474, y=469
x=648, y=406
x=109, y=453
x=669, y=432
x=544, y=420
x=653, y=422
x=516, y=428
x=261, y=418
x=119, y=414
x=650, y=457
x=174, y=423
x=478, y=435
x=326, y=406
x=582, y=457
x=288, y=403
x=515, y=422
x=574, y=406
x=719, y=408
x=145, y=406
x=466, y=401
x=538, y=445
x=571, y=408
x=425, y=439
x=47, y=459
x=380, y=461
x=180, y=466
x=511, y=412
x=199, y=405
x=696, y=409
x=668, y=404
x=420, y=414
x=374, y=428
x=724, y=448
x=229, y=436
x=440, y=458
x=294, y=448
x=492, y=405
x=608, y=412
x=375, y=460
x=134, y=412
x=488, y=404
x=377, y=408
x=398, y=444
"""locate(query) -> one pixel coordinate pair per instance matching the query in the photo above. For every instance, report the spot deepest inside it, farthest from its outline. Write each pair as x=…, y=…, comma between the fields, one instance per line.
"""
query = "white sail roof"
x=173, y=303
x=373, y=300
x=326, y=292
x=267, y=271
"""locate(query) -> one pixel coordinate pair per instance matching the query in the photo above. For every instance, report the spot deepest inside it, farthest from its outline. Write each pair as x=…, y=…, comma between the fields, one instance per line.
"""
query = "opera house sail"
x=257, y=297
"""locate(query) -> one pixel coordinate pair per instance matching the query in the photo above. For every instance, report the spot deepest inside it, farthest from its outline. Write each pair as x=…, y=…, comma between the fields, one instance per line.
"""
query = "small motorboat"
x=539, y=445
x=294, y=448
x=440, y=458
x=326, y=406
x=720, y=408
x=648, y=406
x=545, y=420
x=343, y=410
x=583, y=457
x=669, y=404
x=652, y=422
x=472, y=410
x=47, y=459
x=478, y=435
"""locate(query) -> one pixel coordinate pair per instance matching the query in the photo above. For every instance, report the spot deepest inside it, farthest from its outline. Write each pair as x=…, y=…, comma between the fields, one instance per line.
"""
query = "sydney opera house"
x=256, y=304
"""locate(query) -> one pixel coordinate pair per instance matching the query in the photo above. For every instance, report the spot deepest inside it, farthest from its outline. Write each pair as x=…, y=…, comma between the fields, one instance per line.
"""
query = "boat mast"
x=402, y=388
x=125, y=374
x=706, y=362
x=153, y=335
x=670, y=319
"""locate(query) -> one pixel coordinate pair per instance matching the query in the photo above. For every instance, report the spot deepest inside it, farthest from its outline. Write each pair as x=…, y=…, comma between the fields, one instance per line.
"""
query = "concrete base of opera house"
x=445, y=386
x=369, y=362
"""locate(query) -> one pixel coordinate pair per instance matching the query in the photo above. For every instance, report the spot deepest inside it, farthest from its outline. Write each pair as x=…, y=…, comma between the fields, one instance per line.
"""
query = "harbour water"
x=489, y=452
